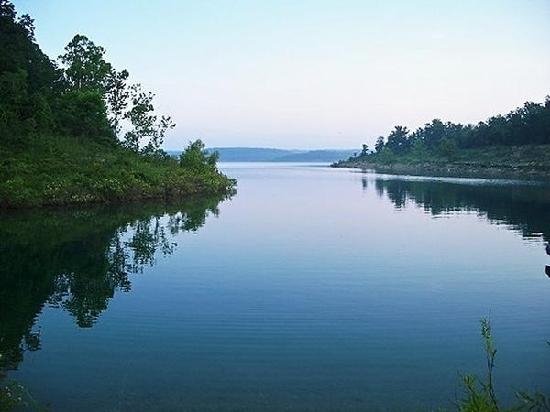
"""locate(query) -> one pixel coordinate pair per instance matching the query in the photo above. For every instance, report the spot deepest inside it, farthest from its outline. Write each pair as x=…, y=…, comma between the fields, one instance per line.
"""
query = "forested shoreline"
x=516, y=144
x=75, y=130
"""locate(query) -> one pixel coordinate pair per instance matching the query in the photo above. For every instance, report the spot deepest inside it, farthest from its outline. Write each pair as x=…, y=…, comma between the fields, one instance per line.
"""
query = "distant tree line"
x=527, y=125
x=80, y=94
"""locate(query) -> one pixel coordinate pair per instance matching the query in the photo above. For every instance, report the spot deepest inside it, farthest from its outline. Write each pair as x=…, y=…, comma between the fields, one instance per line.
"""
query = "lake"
x=309, y=289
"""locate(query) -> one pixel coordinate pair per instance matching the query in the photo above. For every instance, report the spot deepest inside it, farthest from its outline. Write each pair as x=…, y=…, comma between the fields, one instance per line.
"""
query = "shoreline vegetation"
x=71, y=171
x=516, y=145
x=75, y=131
x=479, y=394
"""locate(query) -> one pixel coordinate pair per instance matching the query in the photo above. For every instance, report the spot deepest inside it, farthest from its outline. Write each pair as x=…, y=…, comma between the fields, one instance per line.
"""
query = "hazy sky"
x=313, y=73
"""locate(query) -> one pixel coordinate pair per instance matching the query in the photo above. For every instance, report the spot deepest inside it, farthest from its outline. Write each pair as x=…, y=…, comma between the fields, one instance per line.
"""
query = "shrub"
x=83, y=114
x=195, y=158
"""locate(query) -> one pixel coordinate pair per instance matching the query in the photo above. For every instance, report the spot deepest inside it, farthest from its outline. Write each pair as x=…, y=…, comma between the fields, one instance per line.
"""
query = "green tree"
x=379, y=144
x=147, y=127
x=386, y=156
x=83, y=113
x=84, y=63
x=197, y=159
x=432, y=133
x=398, y=139
x=117, y=96
x=13, y=99
x=7, y=10
x=28, y=78
x=448, y=148
x=419, y=150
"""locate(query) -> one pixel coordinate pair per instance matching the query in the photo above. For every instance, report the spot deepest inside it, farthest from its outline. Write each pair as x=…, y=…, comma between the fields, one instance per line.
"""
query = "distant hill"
x=250, y=154
x=262, y=154
x=316, y=156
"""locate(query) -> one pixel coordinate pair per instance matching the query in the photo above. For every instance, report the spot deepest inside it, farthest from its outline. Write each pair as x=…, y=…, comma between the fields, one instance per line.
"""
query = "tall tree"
x=85, y=66
x=379, y=144
x=398, y=139
x=196, y=158
x=28, y=78
x=117, y=96
x=147, y=128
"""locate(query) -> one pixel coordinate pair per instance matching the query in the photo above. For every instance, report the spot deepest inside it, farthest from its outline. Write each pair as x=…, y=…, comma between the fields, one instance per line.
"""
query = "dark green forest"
x=76, y=130
x=527, y=125
x=519, y=140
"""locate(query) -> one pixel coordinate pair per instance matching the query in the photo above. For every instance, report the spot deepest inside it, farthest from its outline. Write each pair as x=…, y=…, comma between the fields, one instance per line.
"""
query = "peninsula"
x=76, y=130
x=515, y=145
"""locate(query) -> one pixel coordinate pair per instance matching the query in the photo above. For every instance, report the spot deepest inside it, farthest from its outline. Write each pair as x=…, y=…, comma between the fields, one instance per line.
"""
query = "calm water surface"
x=310, y=289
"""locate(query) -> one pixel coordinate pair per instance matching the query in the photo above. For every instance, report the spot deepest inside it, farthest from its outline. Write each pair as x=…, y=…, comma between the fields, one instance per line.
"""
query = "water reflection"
x=523, y=208
x=76, y=260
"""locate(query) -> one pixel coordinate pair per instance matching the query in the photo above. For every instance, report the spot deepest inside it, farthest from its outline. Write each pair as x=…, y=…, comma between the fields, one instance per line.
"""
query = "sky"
x=313, y=74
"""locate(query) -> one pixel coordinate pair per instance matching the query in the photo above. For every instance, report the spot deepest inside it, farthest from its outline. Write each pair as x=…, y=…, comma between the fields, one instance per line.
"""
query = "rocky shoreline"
x=451, y=170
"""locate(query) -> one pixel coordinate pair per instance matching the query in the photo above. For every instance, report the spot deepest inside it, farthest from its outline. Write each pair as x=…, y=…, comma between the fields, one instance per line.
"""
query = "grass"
x=62, y=170
x=479, y=394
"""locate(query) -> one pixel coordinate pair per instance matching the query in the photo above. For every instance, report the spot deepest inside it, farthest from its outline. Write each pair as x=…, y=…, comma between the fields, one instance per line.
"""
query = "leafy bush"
x=84, y=114
x=479, y=395
x=448, y=148
x=197, y=159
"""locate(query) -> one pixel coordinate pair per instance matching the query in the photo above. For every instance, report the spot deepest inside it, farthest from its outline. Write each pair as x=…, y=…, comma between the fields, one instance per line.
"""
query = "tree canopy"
x=526, y=125
x=80, y=95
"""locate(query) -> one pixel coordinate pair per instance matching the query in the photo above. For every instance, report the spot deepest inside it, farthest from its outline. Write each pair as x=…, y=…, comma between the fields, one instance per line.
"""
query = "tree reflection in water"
x=523, y=207
x=77, y=259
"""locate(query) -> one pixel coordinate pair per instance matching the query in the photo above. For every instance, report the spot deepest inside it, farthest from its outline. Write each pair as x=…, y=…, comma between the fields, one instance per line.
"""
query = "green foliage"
x=527, y=125
x=145, y=124
x=85, y=66
x=479, y=395
x=419, y=150
x=117, y=97
x=89, y=76
x=27, y=78
x=196, y=158
x=82, y=113
x=533, y=401
x=398, y=140
x=490, y=161
x=60, y=170
x=59, y=128
x=13, y=99
x=379, y=144
x=87, y=97
x=448, y=148
x=386, y=156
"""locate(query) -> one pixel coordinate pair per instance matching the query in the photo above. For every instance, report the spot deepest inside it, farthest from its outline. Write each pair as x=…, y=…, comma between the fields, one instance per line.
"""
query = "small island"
x=516, y=145
x=75, y=131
